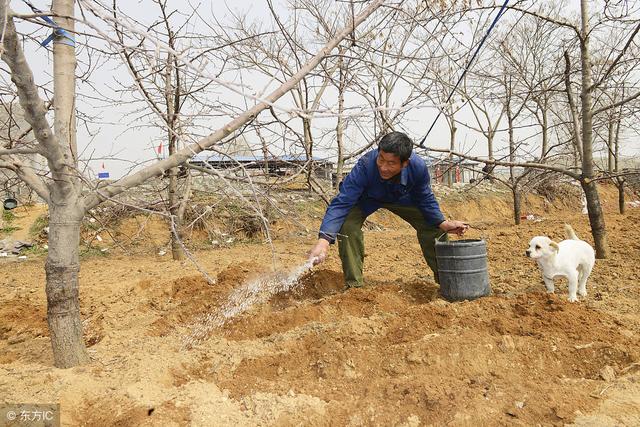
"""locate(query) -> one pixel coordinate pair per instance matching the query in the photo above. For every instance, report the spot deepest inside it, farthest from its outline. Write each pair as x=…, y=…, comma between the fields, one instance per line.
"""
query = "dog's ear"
x=555, y=246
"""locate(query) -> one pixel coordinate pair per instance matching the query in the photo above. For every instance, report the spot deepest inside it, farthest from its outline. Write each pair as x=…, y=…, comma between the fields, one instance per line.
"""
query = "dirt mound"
x=22, y=321
x=425, y=359
x=313, y=285
x=391, y=353
x=186, y=299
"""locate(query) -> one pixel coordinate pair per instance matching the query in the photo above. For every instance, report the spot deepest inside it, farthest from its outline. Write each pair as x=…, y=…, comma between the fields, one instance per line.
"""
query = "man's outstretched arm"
x=426, y=201
x=350, y=191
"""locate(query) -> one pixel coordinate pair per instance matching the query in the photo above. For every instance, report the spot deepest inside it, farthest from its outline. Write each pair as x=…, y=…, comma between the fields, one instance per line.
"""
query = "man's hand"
x=455, y=227
x=319, y=251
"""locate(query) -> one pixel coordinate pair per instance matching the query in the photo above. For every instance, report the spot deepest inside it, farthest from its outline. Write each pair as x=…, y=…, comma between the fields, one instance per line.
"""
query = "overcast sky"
x=110, y=139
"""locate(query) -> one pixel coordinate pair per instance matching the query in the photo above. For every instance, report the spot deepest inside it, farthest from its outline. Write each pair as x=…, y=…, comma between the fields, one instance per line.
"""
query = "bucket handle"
x=482, y=232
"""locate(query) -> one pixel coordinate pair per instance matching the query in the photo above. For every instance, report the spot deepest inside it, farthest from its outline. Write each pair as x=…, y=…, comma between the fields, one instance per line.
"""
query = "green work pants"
x=351, y=240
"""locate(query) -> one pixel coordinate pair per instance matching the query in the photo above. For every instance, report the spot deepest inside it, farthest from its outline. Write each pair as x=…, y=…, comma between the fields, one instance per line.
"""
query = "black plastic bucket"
x=10, y=203
x=462, y=269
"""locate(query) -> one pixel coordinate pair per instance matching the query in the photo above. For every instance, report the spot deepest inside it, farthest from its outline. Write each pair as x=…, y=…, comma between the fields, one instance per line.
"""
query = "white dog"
x=572, y=258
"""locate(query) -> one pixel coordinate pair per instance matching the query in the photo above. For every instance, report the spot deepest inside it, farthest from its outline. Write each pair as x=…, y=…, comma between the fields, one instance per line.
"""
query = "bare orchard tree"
x=525, y=81
x=63, y=188
x=343, y=81
x=512, y=112
x=611, y=126
x=614, y=153
x=584, y=111
x=171, y=95
x=532, y=50
x=396, y=75
x=488, y=110
x=278, y=57
x=444, y=74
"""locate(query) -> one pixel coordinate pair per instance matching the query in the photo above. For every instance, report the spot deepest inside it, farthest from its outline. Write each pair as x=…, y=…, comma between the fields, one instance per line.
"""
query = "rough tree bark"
x=62, y=193
x=450, y=115
x=63, y=263
x=172, y=102
x=513, y=182
x=340, y=124
x=596, y=216
x=615, y=119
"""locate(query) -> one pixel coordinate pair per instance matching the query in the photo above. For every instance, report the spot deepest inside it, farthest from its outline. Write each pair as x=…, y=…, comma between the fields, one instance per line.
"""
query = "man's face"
x=389, y=165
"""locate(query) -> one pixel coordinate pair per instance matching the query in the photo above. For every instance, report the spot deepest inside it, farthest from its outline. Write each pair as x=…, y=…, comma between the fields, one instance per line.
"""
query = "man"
x=391, y=177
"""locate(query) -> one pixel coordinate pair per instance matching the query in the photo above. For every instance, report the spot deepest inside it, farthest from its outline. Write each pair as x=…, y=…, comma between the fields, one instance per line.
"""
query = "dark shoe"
x=353, y=284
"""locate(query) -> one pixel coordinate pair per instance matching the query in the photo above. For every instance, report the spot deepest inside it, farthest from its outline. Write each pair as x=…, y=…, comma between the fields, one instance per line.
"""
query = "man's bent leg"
x=351, y=247
x=427, y=234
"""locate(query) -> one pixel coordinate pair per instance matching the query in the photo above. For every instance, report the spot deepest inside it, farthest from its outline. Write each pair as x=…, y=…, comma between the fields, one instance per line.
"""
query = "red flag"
x=160, y=148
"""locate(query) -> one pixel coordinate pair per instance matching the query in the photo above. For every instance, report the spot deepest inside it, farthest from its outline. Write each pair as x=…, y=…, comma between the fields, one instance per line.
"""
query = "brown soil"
x=391, y=353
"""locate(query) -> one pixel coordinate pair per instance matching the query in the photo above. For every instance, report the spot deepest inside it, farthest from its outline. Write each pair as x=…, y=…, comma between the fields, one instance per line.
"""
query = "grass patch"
x=34, y=251
x=7, y=219
x=5, y=231
x=92, y=253
x=8, y=216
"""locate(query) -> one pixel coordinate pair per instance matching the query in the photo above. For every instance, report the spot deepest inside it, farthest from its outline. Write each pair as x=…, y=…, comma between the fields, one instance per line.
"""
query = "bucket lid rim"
x=10, y=203
x=467, y=242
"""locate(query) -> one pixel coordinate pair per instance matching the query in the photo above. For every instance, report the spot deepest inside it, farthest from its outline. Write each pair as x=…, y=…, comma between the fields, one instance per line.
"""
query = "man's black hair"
x=397, y=143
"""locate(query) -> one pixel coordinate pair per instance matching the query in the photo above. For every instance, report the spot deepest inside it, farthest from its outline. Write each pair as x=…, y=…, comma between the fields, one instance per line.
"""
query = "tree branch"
x=186, y=153
x=577, y=141
x=10, y=151
x=27, y=176
x=534, y=165
x=549, y=19
x=615, y=61
x=616, y=104
x=34, y=108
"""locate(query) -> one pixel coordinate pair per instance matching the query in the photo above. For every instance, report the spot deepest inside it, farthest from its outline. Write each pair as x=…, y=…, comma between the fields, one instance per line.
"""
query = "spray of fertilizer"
x=243, y=298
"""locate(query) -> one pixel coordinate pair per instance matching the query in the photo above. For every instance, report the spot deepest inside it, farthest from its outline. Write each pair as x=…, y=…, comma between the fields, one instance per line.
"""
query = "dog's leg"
x=580, y=276
x=573, y=286
x=548, y=283
x=585, y=271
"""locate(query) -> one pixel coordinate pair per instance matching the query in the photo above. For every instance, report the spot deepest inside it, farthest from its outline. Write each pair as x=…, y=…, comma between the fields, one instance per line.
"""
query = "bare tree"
x=63, y=189
x=584, y=112
x=172, y=94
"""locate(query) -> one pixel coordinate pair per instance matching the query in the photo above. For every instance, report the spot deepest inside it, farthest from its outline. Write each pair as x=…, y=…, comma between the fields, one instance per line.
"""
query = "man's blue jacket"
x=365, y=187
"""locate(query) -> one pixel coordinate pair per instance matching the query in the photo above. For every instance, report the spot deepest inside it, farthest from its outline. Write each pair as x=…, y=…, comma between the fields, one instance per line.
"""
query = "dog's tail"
x=570, y=233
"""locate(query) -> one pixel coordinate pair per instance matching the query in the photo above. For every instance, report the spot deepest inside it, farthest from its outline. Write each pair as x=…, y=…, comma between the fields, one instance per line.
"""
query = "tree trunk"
x=512, y=155
x=619, y=181
x=265, y=156
x=490, y=172
x=308, y=148
x=340, y=124
x=174, y=204
x=172, y=102
x=64, y=68
x=65, y=214
x=620, y=185
x=610, y=144
x=545, y=134
x=186, y=195
x=596, y=216
x=576, y=134
x=596, y=219
x=452, y=147
x=517, y=204
x=62, y=267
